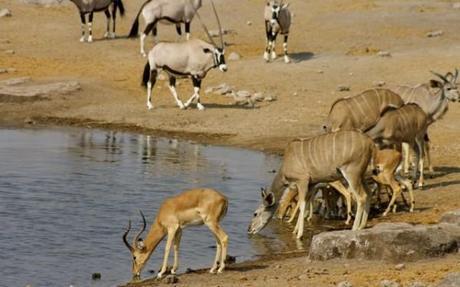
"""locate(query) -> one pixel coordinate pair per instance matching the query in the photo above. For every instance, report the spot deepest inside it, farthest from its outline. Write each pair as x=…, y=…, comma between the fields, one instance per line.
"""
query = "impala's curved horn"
x=204, y=26
x=440, y=76
x=221, y=36
x=144, y=225
x=125, y=239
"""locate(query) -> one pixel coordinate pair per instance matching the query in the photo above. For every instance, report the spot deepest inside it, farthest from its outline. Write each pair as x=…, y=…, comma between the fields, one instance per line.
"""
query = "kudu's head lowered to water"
x=263, y=213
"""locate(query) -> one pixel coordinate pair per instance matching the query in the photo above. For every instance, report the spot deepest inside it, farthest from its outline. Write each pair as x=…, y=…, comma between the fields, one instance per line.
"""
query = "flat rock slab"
x=389, y=241
x=11, y=91
x=451, y=280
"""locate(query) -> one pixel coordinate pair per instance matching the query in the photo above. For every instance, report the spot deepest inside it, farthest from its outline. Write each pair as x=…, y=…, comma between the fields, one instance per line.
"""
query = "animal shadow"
x=301, y=56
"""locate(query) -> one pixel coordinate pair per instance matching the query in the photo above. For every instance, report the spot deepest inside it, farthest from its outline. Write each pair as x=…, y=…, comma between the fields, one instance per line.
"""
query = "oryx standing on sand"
x=166, y=11
x=193, y=58
x=91, y=6
x=324, y=158
x=277, y=21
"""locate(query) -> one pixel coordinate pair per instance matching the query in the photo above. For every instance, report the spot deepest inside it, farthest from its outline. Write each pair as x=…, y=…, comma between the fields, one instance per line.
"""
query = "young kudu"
x=192, y=207
x=277, y=21
x=91, y=6
x=165, y=11
x=190, y=59
x=324, y=158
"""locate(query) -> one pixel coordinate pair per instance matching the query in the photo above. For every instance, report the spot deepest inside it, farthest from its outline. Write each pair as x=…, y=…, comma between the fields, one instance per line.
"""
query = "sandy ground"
x=333, y=42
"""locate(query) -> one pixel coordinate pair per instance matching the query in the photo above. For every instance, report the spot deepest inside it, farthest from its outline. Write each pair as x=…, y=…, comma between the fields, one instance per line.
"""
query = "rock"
x=379, y=83
x=14, y=81
x=5, y=13
x=249, y=23
x=37, y=91
x=222, y=89
x=456, y=5
x=388, y=241
x=270, y=98
x=343, y=88
x=171, y=279
x=433, y=34
x=45, y=3
x=30, y=121
x=96, y=276
x=451, y=280
x=344, y=284
x=384, y=54
x=10, y=52
x=400, y=267
x=243, y=94
x=234, y=56
x=452, y=217
x=388, y=283
x=417, y=284
x=215, y=33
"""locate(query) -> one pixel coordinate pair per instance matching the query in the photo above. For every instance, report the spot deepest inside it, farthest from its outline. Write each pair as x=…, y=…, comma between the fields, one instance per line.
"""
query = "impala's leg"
x=273, y=44
x=150, y=85
x=90, y=27
x=427, y=154
x=108, y=17
x=176, y=251
x=171, y=235
x=147, y=30
x=302, y=188
x=83, y=26
x=187, y=30
x=407, y=183
x=346, y=194
x=396, y=188
x=287, y=60
x=172, y=88
x=222, y=243
x=406, y=156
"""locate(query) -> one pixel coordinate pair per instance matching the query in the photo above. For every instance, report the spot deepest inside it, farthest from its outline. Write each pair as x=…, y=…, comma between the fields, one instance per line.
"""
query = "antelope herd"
x=366, y=138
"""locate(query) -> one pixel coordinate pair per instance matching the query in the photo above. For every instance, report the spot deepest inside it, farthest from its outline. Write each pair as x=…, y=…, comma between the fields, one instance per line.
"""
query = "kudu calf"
x=323, y=158
x=277, y=21
x=192, y=207
x=193, y=58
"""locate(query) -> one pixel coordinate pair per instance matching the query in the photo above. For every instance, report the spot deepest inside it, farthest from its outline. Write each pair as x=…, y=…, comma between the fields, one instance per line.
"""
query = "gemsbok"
x=164, y=11
x=190, y=59
x=362, y=111
x=192, y=207
x=433, y=98
x=407, y=124
x=91, y=6
x=277, y=21
x=324, y=158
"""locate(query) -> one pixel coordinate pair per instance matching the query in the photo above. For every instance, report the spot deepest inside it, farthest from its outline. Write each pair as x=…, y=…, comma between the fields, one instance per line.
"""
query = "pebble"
x=388, y=283
x=96, y=276
x=384, y=54
x=433, y=34
x=456, y=5
x=344, y=284
x=234, y=56
x=10, y=52
x=400, y=267
x=343, y=88
x=5, y=13
x=30, y=121
x=379, y=83
x=417, y=284
x=171, y=279
x=249, y=23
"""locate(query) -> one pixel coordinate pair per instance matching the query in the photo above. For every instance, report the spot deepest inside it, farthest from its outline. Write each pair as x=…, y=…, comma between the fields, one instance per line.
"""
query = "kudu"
x=192, y=207
x=91, y=6
x=362, y=111
x=407, y=124
x=164, y=11
x=433, y=98
x=324, y=158
x=277, y=21
x=193, y=58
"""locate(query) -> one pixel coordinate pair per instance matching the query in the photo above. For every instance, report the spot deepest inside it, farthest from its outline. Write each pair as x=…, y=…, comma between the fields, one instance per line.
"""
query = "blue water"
x=66, y=196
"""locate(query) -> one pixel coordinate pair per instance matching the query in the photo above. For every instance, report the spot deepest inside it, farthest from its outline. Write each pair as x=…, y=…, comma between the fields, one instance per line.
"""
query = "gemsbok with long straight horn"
x=407, y=124
x=164, y=11
x=192, y=207
x=324, y=158
x=191, y=59
x=433, y=98
x=277, y=21
x=362, y=111
x=91, y=6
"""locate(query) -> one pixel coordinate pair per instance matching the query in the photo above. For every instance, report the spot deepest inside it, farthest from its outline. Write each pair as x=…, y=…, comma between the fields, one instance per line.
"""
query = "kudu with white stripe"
x=361, y=111
x=193, y=59
x=433, y=98
x=324, y=158
x=277, y=21
x=165, y=11
x=407, y=124
x=91, y=6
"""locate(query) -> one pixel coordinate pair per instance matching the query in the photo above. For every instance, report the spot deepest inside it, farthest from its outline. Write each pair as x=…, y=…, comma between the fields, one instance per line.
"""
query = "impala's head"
x=139, y=252
x=448, y=85
x=263, y=213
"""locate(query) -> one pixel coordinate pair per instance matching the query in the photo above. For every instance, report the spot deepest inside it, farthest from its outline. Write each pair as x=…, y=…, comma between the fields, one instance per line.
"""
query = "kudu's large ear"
x=435, y=84
x=269, y=199
x=140, y=244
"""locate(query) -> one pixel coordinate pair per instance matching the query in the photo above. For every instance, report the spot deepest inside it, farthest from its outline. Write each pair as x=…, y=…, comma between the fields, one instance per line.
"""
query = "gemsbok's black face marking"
x=220, y=59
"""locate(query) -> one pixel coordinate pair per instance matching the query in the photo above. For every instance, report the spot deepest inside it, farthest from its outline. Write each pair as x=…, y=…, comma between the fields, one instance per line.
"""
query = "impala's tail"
x=147, y=74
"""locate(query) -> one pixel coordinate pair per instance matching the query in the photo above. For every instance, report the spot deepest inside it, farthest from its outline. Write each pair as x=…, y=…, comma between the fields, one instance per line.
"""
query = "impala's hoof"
x=200, y=107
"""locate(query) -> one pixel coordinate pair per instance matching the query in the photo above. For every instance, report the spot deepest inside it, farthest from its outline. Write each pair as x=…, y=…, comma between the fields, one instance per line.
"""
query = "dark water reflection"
x=66, y=196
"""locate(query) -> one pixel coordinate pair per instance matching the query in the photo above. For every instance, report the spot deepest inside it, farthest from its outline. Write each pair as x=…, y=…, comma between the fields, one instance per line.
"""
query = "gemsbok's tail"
x=135, y=27
x=147, y=74
x=120, y=6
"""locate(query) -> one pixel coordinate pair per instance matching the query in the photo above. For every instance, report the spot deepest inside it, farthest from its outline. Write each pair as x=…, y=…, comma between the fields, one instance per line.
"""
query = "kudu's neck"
x=438, y=105
x=154, y=237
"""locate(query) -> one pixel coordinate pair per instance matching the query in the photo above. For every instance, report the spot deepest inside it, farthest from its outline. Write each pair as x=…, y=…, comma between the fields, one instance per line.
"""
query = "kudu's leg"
x=83, y=26
x=302, y=187
x=419, y=147
x=176, y=246
x=346, y=194
x=187, y=30
x=287, y=60
x=356, y=187
x=150, y=85
x=196, y=94
x=90, y=27
x=428, y=155
x=108, y=17
x=285, y=201
x=172, y=88
x=171, y=235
